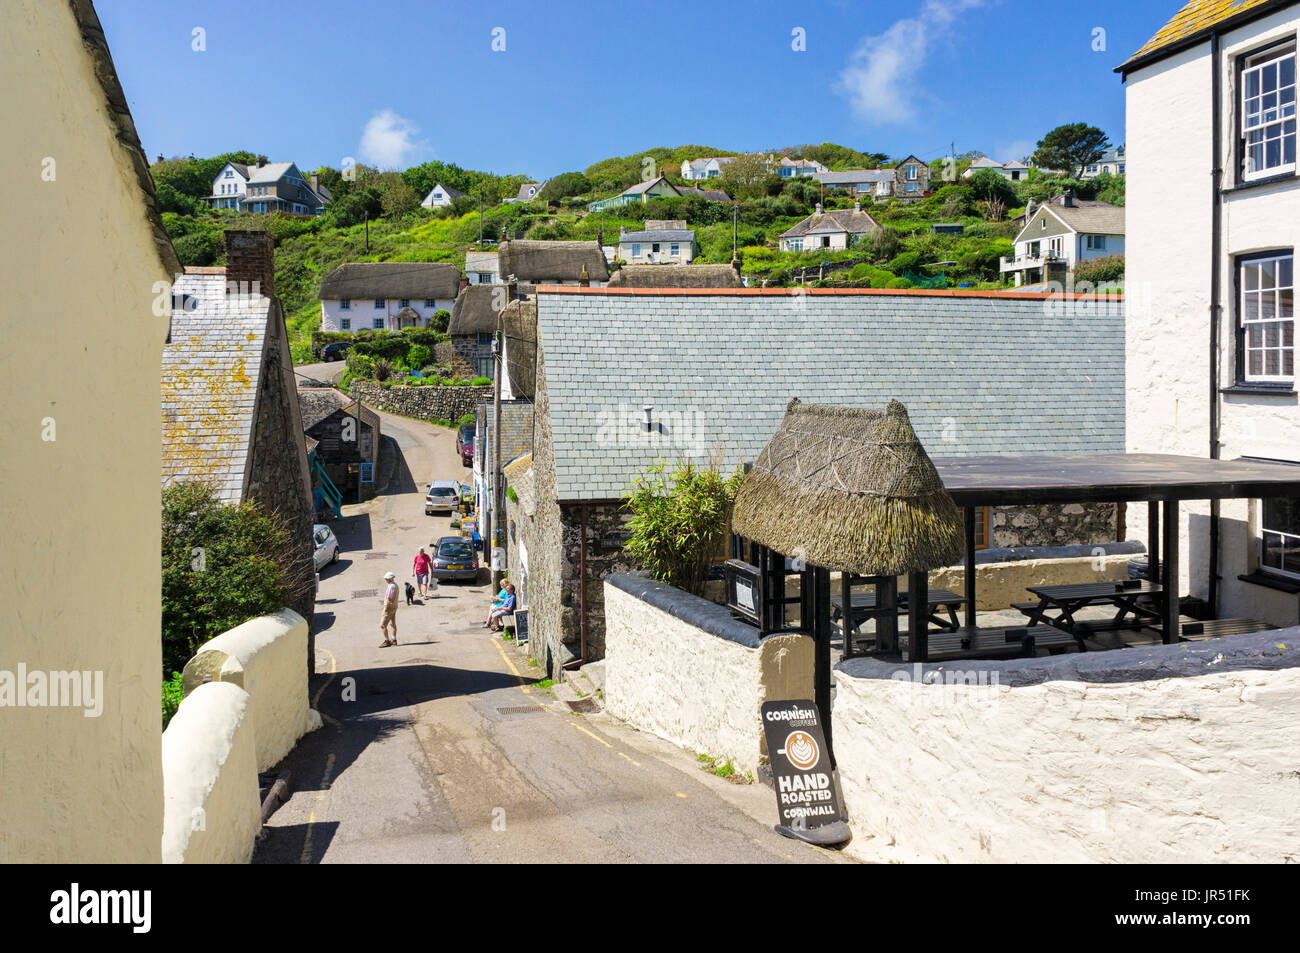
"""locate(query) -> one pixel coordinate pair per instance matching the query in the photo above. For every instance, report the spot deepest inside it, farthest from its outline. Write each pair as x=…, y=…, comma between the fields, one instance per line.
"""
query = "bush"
x=360, y=365
x=441, y=319
x=221, y=566
x=1098, y=270
x=383, y=369
x=678, y=529
x=418, y=356
x=907, y=261
x=481, y=382
x=172, y=696
x=467, y=420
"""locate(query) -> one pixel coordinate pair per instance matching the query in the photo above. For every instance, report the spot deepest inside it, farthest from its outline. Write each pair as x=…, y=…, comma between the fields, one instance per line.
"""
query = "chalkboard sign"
x=521, y=625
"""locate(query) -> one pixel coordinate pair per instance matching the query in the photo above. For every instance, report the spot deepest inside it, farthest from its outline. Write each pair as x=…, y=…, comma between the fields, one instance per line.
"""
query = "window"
x=654, y=248
x=485, y=337
x=1279, y=537
x=345, y=304
x=229, y=173
x=674, y=249
x=379, y=324
x=911, y=173
x=404, y=303
x=912, y=187
x=1096, y=242
x=379, y=302
x=1042, y=226
x=981, y=527
x=1266, y=341
x=485, y=277
x=1092, y=168
x=345, y=324
x=486, y=367
x=1268, y=114
x=428, y=302
x=636, y=250
x=795, y=244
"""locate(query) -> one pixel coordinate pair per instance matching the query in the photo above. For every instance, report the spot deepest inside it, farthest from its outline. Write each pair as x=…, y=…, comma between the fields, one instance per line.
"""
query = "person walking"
x=390, y=611
x=420, y=569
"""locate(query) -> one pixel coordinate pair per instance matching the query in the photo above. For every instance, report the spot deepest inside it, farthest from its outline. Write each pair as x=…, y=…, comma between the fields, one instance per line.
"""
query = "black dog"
x=410, y=594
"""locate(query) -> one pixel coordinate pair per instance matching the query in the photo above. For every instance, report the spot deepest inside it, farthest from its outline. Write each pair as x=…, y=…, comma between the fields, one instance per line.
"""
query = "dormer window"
x=1268, y=112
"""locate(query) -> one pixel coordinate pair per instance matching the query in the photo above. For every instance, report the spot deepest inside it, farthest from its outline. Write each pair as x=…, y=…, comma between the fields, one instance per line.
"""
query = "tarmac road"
x=446, y=749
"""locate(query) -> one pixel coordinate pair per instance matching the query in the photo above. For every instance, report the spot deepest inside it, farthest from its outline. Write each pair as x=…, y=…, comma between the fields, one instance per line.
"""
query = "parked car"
x=454, y=557
x=327, y=545
x=335, y=351
x=465, y=444
x=442, y=497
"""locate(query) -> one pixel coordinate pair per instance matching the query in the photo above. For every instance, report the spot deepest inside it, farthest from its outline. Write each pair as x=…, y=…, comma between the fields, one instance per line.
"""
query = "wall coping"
x=1259, y=651
x=693, y=610
x=1025, y=553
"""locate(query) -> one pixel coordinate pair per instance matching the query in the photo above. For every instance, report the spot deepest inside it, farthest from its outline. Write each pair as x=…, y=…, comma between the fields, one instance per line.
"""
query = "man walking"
x=390, y=611
x=420, y=569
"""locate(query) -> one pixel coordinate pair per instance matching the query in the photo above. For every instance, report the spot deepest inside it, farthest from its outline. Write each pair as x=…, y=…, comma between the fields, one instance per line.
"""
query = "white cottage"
x=1210, y=282
x=387, y=295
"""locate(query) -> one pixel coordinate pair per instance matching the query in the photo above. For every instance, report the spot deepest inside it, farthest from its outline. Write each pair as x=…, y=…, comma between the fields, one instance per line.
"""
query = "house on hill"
x=835, y=230
x=789, y=168
x=441, y=196
x=1013, y=171
x=709, y=167
x=860, y=183
x=1059, y=234
x=527, y=192
x=640, y=193
x=552, y=263
x=667, y=242
x=386, y=295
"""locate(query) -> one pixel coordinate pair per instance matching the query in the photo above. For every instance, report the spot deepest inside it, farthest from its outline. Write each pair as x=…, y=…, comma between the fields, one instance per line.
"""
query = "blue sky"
x=398, y=82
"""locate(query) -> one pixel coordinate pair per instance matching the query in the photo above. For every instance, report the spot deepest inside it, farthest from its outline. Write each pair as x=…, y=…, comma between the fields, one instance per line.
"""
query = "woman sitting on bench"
x=501, y=606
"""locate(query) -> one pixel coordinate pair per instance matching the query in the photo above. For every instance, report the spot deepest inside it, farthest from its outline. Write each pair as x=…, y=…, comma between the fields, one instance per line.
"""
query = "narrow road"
x=448, y=749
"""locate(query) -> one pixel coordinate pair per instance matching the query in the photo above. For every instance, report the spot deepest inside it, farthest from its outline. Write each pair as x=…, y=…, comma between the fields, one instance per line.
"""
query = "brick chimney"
x=464, y=283
x=315, y=183
x=250, y=262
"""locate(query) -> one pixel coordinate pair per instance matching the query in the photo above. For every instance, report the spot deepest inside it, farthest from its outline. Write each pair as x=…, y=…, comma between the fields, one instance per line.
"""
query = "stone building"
x=712, y=372
x=229, y=400
x=347, y=435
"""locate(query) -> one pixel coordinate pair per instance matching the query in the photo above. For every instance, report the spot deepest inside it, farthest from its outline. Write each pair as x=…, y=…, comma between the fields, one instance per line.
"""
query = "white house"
x=661, y=242
x=1113, y=160
x=1218, y=78
x=527, y=192
x=708, y=167
x=230, y=187
x=1013, y=171
x=441, y=196
x=481, y=267
x=1062, y=233
x=789, y=168
x=386, y=295
x=832, y=231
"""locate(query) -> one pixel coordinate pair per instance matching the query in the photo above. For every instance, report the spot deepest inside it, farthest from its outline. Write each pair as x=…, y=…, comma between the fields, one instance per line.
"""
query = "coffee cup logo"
x=801, y=750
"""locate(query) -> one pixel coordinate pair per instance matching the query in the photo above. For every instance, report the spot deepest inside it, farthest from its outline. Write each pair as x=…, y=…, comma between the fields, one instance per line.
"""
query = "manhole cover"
x=520, y=710
x=583, y=706
x=365, y=593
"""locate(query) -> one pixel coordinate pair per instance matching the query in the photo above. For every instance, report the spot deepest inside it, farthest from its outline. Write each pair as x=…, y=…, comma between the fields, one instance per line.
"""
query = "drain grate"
x=520, y=710
x=583, y=706
x=365, y=593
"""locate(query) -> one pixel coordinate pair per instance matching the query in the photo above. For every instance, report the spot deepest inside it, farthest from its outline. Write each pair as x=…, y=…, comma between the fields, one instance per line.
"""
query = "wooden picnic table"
x=1057, y=606
x=864, y=607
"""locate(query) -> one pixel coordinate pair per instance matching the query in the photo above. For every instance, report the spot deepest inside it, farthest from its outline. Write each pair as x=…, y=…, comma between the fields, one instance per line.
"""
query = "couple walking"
x=421, y=569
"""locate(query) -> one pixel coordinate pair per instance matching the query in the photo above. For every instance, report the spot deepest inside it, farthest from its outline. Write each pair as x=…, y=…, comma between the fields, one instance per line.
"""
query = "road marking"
x=311, y=819
x=622, y=755
x=592, y=734
x=511, y=665
x=681, y=795
x=315, y=702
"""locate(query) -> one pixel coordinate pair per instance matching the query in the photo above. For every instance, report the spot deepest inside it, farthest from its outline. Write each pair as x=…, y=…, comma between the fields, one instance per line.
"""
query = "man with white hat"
x=390, y=611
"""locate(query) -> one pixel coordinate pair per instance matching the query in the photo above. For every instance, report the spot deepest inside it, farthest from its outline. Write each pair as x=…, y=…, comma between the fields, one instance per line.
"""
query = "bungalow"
x=712, y=371
x=642, y=192
x=1012, y=171
x=441, y=196
x=386, y=295
x=1211, y=342
x=347, y=435
x=835, y=230
x=527, y=192
x=709, y=167
x=230, y=413
x=1061, y=233
x=789, y=168
x=869, y=183
x=660, y=242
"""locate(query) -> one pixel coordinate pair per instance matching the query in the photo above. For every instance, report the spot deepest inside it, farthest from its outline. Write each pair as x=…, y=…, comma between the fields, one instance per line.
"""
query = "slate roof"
x=1192, y=23
x=210, y=373
x=271, y=172
x=523, y=195
x=709, y=195
x=659, y=235
x=854, y=176
x=979, y=373
x=538, y=261
x=641, y=187
x=1098, y=219
x=391, y=279
x=450, y=192
x=833, y=222
x=318, y=403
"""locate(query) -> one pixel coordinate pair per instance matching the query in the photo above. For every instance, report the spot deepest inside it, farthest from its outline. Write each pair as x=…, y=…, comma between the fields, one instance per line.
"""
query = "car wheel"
x=335, y=557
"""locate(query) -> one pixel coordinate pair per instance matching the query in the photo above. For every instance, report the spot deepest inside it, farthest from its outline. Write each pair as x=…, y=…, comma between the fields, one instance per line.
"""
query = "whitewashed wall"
x=363, y=312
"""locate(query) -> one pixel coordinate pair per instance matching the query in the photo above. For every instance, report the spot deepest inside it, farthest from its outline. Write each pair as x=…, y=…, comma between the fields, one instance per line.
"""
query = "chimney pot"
x=250, y=262
x=261, y=161
x=819, y=208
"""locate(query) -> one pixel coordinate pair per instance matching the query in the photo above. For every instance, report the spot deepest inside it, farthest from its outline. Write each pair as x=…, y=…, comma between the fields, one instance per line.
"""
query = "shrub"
x=678, y=527
x=1098, y=270
x=418, y=356
x=221, y=566
x=441, y=319
x=907, y=261
x=172, y=696
x=383, y=369
x=481, y=381
x=360, y=365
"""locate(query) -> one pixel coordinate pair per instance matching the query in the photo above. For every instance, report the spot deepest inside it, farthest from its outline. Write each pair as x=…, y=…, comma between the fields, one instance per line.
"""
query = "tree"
x=1071, y=148
x=748, y=177
x=564, y=185
x=221, y=566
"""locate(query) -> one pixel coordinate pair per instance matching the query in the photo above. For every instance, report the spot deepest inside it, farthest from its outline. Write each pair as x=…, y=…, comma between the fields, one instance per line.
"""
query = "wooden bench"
x=1217, y=628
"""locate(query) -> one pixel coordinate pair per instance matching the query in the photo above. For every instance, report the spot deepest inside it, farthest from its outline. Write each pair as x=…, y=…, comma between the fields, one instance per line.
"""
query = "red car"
x=465, y=444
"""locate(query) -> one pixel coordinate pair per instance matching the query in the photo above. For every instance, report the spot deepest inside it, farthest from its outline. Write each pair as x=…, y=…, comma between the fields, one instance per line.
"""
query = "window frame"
x=378, y=324
x=1239, y=288
x=345, y=304
x=430, y=303
x=381, y=303
x=1294, y=542
x=1255, y=60
x=345, y=324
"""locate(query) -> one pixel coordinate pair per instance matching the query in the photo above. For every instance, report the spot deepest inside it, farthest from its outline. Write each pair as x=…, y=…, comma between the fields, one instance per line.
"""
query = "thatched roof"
x=475, y=311
x=520, y=329
x=359, y=280
x=852, y=490
x=676, y=276
x=542, y=262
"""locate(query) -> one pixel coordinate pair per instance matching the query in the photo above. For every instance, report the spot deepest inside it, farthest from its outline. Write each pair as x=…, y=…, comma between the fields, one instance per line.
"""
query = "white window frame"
x=1279, y=295
x=913, y=173
x=1268, y=125
x=1096, y=242
x=1289, y=541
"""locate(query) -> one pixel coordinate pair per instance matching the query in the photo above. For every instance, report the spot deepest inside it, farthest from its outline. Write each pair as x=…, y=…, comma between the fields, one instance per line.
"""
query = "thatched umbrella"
x=849, y=490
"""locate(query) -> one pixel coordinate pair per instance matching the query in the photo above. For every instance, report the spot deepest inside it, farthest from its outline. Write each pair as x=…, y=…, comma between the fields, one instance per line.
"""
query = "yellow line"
x=320, y=796
x=511, y=665
x=320, y=691
x=622, y=755
x=592, y=734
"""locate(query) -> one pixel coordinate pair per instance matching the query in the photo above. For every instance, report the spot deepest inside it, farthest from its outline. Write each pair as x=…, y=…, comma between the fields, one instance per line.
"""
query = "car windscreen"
x=455, y=549
x=441, y=491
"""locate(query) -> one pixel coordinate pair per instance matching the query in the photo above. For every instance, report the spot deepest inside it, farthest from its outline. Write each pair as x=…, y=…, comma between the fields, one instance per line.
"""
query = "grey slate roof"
x=359, y=280
x=855, y=176
x=833, y=222
x=210, y=373
x=978, y=373
x=659, y=235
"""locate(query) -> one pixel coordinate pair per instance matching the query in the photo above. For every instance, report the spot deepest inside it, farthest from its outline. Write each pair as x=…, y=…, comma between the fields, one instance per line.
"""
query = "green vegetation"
x=678, y=523
x=172, y=696
x=1071, y=148
x=544, y=683
x=723, y=769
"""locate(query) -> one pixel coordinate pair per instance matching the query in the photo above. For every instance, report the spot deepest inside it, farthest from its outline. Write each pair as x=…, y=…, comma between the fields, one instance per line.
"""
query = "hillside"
x=905, y=253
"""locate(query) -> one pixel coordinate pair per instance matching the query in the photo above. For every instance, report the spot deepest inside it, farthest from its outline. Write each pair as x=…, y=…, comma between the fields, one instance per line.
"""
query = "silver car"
x=443, y=497
x=327, y=545
x=454, y=557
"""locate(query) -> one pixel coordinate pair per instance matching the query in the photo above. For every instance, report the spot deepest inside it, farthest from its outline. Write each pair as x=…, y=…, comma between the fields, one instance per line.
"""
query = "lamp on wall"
x=647, y=425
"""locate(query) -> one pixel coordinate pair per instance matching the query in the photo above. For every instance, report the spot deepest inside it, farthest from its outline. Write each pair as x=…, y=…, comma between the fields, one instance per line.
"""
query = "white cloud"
x=879, y=81
x=389, y=141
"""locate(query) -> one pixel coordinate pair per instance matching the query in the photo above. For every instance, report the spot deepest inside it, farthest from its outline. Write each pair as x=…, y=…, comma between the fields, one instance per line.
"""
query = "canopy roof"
x=849, y=489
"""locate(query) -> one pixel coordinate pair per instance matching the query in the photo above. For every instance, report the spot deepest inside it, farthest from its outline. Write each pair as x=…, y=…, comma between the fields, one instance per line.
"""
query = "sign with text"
x=807, y=793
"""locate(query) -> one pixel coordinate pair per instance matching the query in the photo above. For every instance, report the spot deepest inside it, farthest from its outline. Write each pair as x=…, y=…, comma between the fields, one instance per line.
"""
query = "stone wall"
x=516, y=427
x=606, y=531
x=422, y=403
x=1052, y=525
x=680, y=667
x=445, y=353
x=1182, y=753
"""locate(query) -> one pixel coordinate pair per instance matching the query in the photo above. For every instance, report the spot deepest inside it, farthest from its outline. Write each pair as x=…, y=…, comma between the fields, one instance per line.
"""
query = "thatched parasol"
x=849, y=490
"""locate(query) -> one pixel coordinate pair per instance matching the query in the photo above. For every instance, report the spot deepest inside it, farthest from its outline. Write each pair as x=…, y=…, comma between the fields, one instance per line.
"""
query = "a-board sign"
x=808, y=798
x=521, y=625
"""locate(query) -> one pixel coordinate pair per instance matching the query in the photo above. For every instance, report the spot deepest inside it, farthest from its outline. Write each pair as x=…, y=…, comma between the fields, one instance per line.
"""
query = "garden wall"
x=680, y=667
x=423, y=403
x=1183, y=753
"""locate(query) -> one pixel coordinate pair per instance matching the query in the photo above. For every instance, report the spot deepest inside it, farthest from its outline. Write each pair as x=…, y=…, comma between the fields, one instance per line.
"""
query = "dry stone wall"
x=422, y=403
